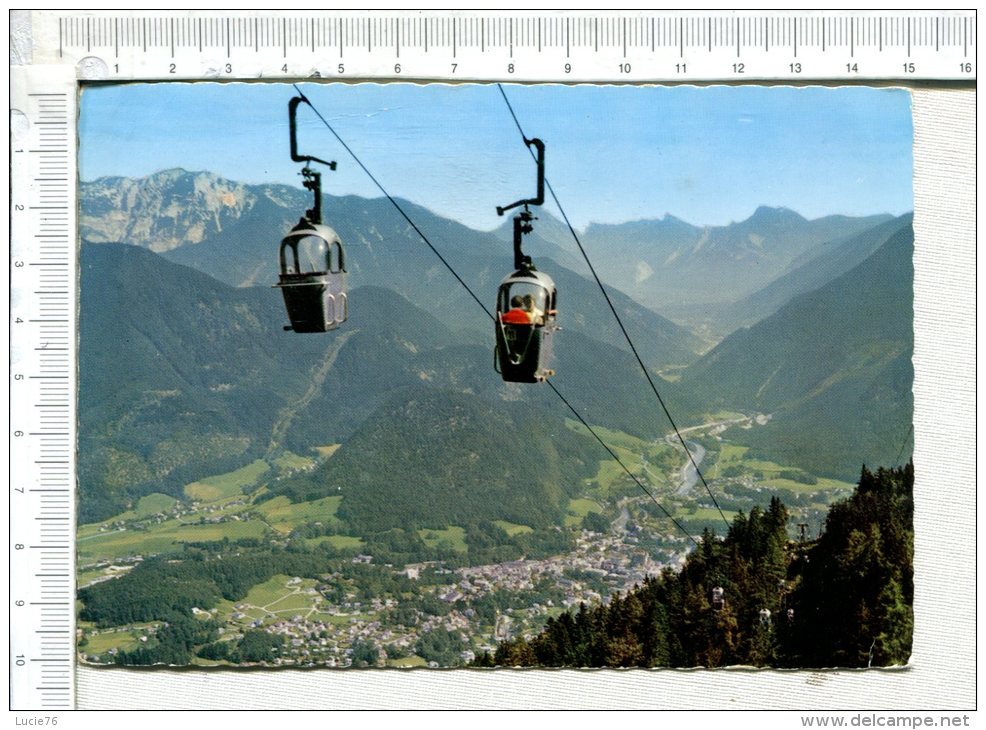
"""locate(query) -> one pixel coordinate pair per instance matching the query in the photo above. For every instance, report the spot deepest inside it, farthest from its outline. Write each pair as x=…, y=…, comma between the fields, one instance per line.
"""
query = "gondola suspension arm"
x=522, y=222
x=312, y=179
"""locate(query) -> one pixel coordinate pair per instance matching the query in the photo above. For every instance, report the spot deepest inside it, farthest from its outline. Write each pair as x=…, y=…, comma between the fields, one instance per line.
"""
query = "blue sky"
x=614, y=153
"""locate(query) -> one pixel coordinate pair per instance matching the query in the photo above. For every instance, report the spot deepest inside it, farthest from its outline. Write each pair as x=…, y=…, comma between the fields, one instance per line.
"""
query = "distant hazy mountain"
x=668, y=263
x=833, y=366
x=827, y=261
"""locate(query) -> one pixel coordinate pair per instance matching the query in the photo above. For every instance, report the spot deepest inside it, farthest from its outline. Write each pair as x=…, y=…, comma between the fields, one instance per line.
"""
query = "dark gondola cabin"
x=526, y=303
x=525, y=327
x=718, y=598
x=313, y=278
x=312, y=260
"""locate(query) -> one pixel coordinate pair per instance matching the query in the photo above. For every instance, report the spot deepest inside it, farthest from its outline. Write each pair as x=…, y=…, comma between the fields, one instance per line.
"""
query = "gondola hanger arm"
x=292, y=118
x=539, y=199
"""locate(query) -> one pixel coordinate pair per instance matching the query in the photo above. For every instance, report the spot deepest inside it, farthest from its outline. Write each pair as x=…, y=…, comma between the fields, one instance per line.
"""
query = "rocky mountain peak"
x=766, y=214
x=162, y=211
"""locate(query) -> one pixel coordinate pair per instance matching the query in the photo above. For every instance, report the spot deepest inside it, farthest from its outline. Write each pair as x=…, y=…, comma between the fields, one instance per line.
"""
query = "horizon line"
x=656, y=219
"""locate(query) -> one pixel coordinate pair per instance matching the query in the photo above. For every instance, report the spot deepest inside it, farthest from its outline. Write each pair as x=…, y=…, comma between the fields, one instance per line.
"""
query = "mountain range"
x=238, y=245
x=668, y=263
x=185, y=370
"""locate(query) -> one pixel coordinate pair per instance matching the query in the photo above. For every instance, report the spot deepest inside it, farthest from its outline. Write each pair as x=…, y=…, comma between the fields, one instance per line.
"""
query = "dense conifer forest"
x=843, y=599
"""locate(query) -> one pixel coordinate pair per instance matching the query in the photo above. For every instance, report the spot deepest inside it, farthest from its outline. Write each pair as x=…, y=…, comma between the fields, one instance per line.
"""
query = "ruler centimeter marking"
x=42, y=391
x=561, y=46
x=469, y=46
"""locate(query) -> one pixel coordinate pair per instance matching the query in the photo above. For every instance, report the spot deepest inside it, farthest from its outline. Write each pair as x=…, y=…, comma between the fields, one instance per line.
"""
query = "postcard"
x=424, y=384
x=391, y=439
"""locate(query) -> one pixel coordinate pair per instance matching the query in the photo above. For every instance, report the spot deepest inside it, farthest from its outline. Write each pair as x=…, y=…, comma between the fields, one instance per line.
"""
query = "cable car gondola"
x=526, y=304
x=312, y=259
x=718, y=598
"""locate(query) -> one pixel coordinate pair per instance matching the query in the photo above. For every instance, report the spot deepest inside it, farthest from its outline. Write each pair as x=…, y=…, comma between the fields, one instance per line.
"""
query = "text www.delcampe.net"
x=874, y=720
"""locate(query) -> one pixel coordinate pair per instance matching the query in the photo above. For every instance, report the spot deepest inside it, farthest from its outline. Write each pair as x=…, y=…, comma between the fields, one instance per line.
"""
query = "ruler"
x=42, y=388
x=67, y=48
x=556, y=46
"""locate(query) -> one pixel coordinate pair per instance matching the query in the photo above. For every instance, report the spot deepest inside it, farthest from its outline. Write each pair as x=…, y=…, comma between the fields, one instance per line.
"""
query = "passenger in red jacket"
x=517, y=314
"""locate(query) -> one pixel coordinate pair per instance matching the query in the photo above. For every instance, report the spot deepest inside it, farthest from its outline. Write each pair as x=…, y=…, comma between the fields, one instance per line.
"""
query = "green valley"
x=384, y=584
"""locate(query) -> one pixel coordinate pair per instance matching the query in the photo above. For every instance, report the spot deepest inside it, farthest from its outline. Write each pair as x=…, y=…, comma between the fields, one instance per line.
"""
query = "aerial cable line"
x=483, y=307
x=907, y=437
x=619, y=461
x=391, y=199
x=619, y=321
